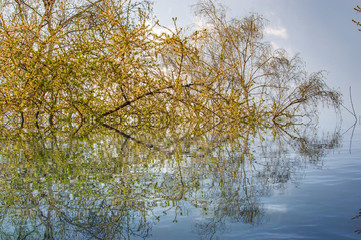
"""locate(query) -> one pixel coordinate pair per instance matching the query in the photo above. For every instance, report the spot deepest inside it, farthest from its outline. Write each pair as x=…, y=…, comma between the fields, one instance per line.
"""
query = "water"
x=320, y=206
x=267, y=184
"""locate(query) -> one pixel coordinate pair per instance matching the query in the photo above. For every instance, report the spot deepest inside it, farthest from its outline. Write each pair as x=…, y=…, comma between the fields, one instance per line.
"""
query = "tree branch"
x=126, y=103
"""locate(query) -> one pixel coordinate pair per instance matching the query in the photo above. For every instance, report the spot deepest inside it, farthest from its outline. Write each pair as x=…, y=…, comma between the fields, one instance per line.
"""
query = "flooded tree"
x=71, y=60
x=265, y=83
x=131, y=117
x=104, y=61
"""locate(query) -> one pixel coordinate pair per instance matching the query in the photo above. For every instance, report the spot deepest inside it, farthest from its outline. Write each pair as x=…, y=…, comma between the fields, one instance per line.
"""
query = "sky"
x=321, y=31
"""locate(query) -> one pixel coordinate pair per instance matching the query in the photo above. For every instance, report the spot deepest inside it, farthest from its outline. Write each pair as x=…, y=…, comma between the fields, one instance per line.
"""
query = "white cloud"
x=200, y=23
x=290, y=50
x=276, y=31
x=159, y=30
x=274, y=45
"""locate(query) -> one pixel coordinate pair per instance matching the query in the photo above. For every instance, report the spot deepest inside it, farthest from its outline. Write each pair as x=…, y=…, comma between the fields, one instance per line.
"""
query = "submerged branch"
x=129, y=102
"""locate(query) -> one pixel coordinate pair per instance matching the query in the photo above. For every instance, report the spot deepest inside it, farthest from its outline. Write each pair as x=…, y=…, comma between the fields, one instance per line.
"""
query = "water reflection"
x=357, y=217
x=118, y=184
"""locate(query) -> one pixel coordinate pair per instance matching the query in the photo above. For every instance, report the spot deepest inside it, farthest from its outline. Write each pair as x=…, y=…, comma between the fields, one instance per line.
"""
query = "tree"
x=62, y=58
x=103, y=61
x=264, y=82
x=87, y=60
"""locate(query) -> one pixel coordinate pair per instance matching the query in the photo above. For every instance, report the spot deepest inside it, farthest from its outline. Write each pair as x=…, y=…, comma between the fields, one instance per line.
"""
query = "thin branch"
x=353, y=109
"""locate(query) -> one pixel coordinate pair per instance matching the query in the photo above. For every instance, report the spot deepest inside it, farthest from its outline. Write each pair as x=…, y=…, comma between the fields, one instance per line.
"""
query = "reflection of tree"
x=109, y=183
x=64, y=190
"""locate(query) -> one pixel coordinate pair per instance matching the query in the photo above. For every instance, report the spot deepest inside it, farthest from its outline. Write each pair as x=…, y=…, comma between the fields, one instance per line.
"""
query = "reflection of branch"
x=302, y=140
x=355, y=116
x=68, y=220
x=30, y=232
x=353, y=113
x=353, y=109
x=203, y=132
x=352, y=132
x=358, y=231
x=150, y=146
x=311, y=147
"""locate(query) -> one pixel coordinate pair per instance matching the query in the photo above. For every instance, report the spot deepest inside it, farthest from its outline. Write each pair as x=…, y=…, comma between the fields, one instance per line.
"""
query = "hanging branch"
x=357, y=9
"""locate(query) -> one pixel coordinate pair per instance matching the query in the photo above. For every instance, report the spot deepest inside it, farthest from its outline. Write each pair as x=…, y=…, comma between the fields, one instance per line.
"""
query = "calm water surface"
x=269, y=184
x=323, y=203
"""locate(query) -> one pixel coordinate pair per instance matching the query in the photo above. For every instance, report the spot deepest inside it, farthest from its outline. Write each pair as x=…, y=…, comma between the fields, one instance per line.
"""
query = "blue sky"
x=321, y=31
